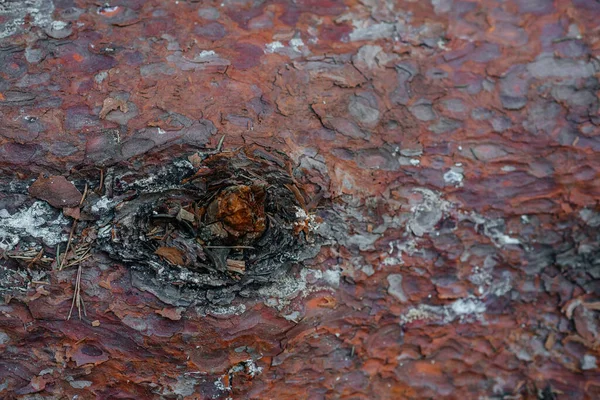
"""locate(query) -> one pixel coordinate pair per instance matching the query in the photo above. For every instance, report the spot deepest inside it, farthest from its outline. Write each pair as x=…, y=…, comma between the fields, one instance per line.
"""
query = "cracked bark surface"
x=442, y=162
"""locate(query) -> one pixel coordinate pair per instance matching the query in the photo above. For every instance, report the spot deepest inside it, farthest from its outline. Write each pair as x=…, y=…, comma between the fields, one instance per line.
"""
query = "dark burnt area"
x=205, y=233
x=202, y=229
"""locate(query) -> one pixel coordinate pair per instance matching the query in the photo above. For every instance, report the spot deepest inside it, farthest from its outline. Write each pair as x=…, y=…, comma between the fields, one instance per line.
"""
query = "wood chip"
x=196, y=160
x=185, y=215
x=111, y=104
x=56, y=190
x=238, y=266
x=73, y=212
x=171, y=254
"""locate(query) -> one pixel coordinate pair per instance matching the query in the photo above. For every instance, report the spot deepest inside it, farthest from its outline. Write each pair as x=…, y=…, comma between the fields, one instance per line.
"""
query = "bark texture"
x=437, y=203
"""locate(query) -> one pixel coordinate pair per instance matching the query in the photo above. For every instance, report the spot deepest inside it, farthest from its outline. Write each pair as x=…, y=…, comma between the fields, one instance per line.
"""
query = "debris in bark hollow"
x=231, y=222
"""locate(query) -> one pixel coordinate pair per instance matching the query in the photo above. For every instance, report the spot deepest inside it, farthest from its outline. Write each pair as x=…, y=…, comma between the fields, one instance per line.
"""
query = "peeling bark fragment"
x=111, y=104
x=56, y=190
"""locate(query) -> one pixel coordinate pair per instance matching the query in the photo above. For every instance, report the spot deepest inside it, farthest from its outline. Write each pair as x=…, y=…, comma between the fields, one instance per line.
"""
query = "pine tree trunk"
x=299, y=200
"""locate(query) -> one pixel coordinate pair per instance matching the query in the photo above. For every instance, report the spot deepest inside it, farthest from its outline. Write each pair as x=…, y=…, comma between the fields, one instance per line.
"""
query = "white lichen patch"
x=294, y=316
x=589, y=362
x=332, y=277
x=249, y=366
x=422, y=312
x=155, y=183
x=103, y=204
x=487, y=285
x=100, y=77
x=493, y=228
x=454, y=176
x=273, y=47
x=590, y=217
x=395, y=287
x=252, y=368
x=58, y=25
x=107, y=9
x=368, y=30
x=461, y=309
x=38, y=221
x=281, y=293
x=221, y=386
x=237, y=309
x=296, y=43
x=441, y=43
x=183, y=164
x=426, y=213
x=13, y=13
x=396, y=249
x=481, y=277
x=207, y=53
x=80, y=384
x=306, y=221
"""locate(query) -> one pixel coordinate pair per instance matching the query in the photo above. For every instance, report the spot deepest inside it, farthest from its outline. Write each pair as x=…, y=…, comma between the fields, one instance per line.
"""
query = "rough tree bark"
x=312, y=199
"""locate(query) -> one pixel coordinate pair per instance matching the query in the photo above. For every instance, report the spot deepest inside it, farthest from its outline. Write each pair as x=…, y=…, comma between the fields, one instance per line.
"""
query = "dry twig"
x=77, y=299
x=60, y=267
x=31, y=256
x=62, y=263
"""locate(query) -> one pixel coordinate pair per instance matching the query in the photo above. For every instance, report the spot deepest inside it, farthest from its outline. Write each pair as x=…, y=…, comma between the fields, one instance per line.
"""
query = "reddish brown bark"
x=444, y=160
